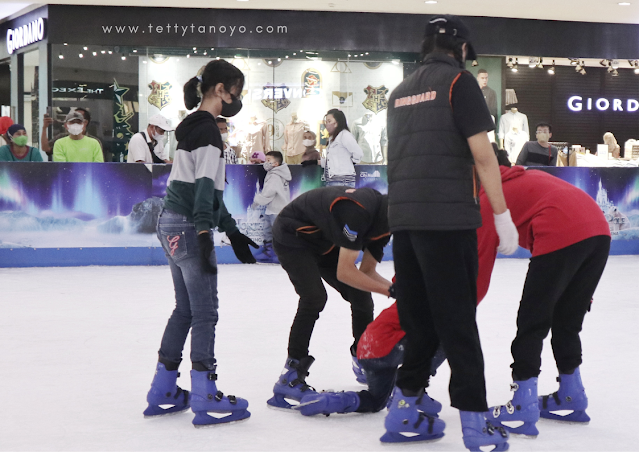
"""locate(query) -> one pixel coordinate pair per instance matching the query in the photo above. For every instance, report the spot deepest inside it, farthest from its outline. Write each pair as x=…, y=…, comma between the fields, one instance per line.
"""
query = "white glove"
x=507, y=232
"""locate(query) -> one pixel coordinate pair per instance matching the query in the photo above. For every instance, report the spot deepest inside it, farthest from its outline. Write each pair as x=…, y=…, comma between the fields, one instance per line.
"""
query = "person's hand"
x=240, y=244
x=47, y=121
x=391, y=291
x=206, y=248
x=507, y=232
x=309, y=163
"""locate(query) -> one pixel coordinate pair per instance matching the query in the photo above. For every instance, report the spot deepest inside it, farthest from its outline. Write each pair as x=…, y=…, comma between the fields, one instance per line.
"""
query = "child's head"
x=274, y=158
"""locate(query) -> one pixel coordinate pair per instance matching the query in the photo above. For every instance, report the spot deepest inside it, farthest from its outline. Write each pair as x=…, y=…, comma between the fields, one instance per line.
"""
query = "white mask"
x=159, y=138
x=225, y=136
x=75, y=129
x=308, y=143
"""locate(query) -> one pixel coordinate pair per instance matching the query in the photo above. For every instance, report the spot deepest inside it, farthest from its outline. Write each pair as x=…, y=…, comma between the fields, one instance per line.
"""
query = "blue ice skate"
x=266, y=254
x=406, y=423
x=358, y=370
x=522, y=408
x=328, y=402
x=292, y=383
x=429, y=405
x=212, y=407
x=571, y=396
x=165, y=396
x=478, y=432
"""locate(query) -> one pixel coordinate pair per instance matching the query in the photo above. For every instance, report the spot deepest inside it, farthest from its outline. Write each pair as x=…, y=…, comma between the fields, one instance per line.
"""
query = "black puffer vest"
x=432, y=184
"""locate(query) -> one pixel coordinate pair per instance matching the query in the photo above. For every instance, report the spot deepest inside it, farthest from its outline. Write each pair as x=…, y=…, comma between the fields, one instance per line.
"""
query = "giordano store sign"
x=579, y=103
x=34, y=31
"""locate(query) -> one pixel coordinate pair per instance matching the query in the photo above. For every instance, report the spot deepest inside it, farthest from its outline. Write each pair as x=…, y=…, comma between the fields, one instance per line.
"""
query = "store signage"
x=578, y=103
x=27, y=34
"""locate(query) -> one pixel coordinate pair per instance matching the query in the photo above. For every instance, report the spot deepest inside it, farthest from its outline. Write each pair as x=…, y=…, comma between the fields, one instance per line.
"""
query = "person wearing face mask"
x=540, y=152
x=342, y=152
x=229, y=153
x=193, y=207
x=17, y=149
x=275, y=195
x=76, y=147
x=147, y=146
x=48, y=144
x=311, y=155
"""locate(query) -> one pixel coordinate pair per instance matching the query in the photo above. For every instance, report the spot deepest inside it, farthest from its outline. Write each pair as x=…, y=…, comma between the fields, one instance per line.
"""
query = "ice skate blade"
x=395, y=437
x=167, y=412
x=576, y=417
x=498, y=448
x=210, y=421
x=527, y=429
x=279, y=402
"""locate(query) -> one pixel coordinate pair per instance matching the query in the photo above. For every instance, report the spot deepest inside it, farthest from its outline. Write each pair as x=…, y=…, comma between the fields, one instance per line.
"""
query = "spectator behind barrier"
x=17, y=149
x=148, y=146
x=5, y=122
x=47, y=144
x=77, y=147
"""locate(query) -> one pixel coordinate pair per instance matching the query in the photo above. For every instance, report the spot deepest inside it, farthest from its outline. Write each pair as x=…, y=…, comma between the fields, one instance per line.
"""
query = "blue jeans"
x=196, y=302
x=269, y=219
x=381, y=374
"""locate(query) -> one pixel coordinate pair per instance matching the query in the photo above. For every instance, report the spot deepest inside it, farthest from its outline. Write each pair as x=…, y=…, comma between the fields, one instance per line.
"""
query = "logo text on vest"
x=415, y=99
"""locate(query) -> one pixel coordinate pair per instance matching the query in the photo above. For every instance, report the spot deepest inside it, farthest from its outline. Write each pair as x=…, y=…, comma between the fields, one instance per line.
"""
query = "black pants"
x=437, y=301
x=306, y=271
x=557, y=294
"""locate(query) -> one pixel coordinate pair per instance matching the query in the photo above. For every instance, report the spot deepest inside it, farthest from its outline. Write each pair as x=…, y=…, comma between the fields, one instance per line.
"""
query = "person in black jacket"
x=319, y=235
x=438, y=151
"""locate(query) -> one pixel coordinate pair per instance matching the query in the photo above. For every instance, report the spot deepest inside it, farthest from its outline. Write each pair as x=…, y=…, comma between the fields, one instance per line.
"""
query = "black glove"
x=206, y=247
x=391, y=291
x=240, y=244
x=309, y=162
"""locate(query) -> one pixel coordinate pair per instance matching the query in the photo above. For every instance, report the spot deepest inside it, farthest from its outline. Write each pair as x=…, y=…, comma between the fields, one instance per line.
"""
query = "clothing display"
x=257, y=139
x=370, y=133
x=490, y=96
x=510, y=119
x=293, y=137
x=514, y=141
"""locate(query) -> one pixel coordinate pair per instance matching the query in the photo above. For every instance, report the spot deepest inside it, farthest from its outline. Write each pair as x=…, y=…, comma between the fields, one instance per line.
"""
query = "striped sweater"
x=196, y=183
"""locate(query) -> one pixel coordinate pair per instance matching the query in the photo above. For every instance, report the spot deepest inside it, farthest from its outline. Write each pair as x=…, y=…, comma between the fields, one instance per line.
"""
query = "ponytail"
x=216, y=71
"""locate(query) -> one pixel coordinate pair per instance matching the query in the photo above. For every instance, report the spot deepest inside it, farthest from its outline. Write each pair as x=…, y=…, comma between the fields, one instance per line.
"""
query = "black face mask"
x=229, y=110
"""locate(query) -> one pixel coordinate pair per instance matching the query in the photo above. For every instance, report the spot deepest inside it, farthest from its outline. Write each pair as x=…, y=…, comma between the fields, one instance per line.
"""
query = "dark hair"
x=278, y=156
x=443, y=44
x=544, y=124
x=502, y=156
x=340, y=118
x=216, y=71
x=85, y=113
x=482, y=71
x=220, y=119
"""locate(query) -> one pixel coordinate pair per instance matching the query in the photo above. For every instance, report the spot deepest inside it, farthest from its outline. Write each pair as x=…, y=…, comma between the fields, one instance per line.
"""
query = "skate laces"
x=423, y=416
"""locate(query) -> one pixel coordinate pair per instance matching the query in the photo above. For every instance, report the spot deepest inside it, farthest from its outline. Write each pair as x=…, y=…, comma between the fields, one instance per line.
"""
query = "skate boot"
x=571, y=396
x=329, y=402
x=406, y=422
x=292, y=383
x=165, y=397
x=523, y=408
x=478, y=432
x=211, y=406
x=429, y=406
x=266, y=255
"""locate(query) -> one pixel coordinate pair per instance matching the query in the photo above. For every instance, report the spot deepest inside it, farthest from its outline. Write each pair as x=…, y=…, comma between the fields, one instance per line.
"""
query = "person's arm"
x=488, y=171
x=58, y=152
x=268, y=191
x=349, y=142
x=137, y=148
x=523, y=155
x=348, y=273
x=44, y=139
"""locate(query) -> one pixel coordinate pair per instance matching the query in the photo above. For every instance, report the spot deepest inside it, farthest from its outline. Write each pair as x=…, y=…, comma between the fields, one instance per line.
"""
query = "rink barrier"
x=75, y=214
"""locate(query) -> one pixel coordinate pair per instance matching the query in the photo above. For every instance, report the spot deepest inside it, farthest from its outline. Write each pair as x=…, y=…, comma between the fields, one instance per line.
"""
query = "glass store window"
x=286, y=92
x=30, y=107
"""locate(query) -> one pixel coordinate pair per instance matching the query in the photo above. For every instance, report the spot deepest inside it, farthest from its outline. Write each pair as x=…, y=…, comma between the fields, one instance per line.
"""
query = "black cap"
x=451, y=25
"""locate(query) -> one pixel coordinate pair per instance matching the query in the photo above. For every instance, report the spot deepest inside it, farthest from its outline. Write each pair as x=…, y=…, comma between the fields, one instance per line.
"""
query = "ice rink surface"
x=78, y=352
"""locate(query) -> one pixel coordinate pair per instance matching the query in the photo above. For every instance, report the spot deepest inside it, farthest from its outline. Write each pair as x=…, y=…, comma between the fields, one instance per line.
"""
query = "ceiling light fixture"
x=614, y=64
x=515, y=67
x=475, y=63
x=614, y=73
x=509, y=65
x=61, y=56
x=623, y=3
x=430, y=2
x=551, y=69
x=574, y=61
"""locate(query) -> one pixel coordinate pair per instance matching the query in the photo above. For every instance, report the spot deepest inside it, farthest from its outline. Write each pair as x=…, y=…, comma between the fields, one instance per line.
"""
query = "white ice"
x=78, y=351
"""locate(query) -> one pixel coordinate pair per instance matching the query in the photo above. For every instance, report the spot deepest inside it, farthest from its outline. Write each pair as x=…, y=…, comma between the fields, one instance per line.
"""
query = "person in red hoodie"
x=569, y=239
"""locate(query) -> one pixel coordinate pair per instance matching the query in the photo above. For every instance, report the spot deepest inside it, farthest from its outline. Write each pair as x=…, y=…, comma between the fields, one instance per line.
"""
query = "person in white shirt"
x=147, y=146
x=342, y=152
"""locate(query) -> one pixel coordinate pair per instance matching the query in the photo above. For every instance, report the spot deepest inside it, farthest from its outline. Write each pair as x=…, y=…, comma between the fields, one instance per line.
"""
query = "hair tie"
x=199, y=77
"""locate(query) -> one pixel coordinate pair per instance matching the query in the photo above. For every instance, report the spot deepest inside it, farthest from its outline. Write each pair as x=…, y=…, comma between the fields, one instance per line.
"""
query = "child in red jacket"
x=569, y=239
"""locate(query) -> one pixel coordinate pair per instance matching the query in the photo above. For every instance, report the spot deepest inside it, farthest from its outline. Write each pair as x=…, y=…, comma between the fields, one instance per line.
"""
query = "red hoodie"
x=550, y=214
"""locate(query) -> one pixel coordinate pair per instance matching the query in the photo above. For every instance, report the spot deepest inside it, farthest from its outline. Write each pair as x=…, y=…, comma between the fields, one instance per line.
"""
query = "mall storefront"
x=127, y=64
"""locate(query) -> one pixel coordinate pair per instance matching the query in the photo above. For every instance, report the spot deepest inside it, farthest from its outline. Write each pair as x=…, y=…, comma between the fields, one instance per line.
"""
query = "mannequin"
x=257, y=142
x=514, y=141
x=512, y=118
x=614, y=149
x=293, y=149
x=370, y=133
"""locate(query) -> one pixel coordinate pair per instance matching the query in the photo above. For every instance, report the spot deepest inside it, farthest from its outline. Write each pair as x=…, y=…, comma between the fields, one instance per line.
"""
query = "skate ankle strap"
x=212, y=376
x=422, y=417
x=184, y=393
x=490, y=429
x=544, y=400
x=219, y=395
x=305, y=387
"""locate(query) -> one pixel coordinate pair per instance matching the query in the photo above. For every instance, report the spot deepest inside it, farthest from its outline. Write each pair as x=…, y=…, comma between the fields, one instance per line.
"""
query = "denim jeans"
x=381, y=374
x=196, y=302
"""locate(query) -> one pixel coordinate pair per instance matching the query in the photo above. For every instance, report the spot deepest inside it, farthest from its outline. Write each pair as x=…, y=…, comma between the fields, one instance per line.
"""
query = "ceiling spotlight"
x=540, y=64
x=61, y=56
x=95, y=53
x=123, y=57
x=583, y=71
x=110, y=52
x=85, y=48
x=102, y=52
x=614, y=64
x=574, y=61
x=614, y=73
x=610, y=69
x=515, y=67
x=509, y=65
x=80, y=55
x=475, y=63
x=551, y=69
x=637, y=70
